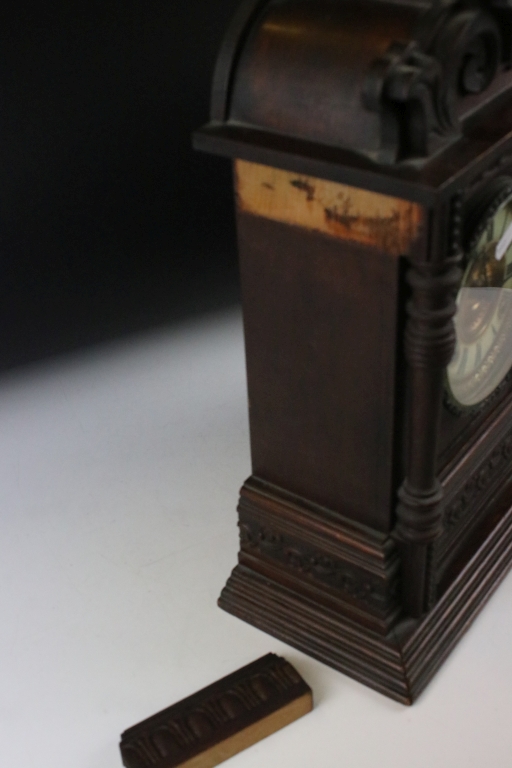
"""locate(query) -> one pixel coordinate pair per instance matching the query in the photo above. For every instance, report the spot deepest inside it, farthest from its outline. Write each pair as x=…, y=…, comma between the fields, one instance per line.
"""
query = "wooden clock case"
x=365, y=134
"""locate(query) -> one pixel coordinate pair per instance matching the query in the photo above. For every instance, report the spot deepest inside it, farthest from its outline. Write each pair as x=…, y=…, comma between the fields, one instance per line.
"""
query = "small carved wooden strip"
x=221, y=720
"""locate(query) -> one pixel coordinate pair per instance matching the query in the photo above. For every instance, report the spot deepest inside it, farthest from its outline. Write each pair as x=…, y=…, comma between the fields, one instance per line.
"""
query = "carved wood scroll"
x=221, y=720
x=423, y=88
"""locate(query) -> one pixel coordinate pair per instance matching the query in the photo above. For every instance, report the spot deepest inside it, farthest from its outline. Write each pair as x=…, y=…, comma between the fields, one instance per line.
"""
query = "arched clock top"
x=390, y=80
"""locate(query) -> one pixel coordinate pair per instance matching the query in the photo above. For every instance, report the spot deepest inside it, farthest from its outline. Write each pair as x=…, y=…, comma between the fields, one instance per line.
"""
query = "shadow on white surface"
x=120, y=471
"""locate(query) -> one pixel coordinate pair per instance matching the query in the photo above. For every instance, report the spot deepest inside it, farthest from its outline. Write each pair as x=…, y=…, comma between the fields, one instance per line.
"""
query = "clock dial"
x=483, y=321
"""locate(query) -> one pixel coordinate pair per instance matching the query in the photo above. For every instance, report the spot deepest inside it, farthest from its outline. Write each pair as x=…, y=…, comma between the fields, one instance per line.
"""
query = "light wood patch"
x=388, y=223
x=252, y=734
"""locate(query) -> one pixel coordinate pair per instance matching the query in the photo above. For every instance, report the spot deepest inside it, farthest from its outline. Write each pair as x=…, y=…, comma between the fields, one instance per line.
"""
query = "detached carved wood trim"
x=345, y=566
x=221, y=720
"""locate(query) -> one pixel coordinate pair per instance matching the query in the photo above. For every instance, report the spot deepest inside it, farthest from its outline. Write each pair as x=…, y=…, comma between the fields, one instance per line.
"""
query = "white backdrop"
x=120, y=470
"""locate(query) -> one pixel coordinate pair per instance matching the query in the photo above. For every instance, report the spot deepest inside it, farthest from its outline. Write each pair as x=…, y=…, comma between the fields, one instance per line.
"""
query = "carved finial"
x=417, y=85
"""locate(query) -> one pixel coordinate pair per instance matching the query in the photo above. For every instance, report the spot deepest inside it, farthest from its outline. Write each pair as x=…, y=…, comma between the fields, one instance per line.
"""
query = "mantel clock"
x=372, y=150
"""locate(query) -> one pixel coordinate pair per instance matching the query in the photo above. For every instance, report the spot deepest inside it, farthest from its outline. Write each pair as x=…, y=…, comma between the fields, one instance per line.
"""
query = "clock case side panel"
x=321, y=312
x=323, y=322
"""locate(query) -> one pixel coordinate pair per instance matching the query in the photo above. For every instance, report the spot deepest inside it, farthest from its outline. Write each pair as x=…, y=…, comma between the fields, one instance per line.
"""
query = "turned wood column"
x=429, y=347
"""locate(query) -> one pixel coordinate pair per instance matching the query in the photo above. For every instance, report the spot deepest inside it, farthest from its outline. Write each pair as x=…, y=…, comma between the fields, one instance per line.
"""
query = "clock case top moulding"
x=378, y=519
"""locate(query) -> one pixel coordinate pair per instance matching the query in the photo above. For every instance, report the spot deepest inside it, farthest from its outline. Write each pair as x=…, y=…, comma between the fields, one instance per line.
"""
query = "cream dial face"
x=483, y=321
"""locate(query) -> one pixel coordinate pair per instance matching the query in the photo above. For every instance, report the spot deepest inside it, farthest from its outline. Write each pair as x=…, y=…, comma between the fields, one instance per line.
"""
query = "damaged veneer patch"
x=390, y=224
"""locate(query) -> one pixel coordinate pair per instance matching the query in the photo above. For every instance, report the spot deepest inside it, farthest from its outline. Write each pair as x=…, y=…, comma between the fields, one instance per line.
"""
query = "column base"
x=400, y=663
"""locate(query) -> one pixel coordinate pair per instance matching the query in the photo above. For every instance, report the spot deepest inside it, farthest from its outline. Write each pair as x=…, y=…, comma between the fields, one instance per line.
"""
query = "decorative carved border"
x=400, y=664
x=479, y=483
x=468, y=504
x=315, y=565
x=211, y=716
x=355, y=567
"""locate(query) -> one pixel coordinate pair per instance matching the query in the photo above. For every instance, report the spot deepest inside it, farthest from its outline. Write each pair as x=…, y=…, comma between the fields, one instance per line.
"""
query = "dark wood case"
x=377, y=520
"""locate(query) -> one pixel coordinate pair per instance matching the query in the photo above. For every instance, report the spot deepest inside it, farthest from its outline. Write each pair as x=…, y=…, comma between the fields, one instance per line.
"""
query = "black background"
x=109, y=222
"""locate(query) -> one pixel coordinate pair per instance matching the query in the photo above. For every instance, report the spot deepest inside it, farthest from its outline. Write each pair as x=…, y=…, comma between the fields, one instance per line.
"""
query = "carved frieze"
x=315, y=565
x=473, y=491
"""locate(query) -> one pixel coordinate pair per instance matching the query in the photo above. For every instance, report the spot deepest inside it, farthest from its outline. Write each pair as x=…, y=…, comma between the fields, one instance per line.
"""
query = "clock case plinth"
x=377, y=520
